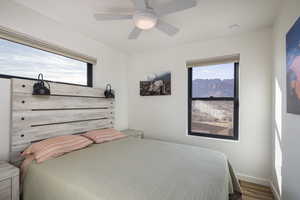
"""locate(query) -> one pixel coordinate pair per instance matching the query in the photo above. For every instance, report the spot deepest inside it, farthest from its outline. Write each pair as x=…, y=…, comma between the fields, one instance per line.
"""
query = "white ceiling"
x=210, y=19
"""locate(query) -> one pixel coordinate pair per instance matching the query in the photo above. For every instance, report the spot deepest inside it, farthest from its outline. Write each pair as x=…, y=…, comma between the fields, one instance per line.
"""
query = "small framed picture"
x=156, y=85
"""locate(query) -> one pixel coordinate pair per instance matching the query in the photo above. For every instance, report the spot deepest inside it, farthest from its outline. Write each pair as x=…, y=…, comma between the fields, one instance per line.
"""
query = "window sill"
x=213, y=137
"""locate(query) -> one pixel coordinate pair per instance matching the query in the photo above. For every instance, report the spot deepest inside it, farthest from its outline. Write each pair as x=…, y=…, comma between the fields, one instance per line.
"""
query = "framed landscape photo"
x=293, y=68
x=157, y=84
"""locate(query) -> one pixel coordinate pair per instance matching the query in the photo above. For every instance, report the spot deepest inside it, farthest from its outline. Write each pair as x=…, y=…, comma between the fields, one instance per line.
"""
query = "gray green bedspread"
x=132, y=169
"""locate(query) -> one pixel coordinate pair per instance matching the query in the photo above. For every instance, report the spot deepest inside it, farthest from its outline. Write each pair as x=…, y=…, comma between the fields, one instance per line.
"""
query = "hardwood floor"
x=253, y=191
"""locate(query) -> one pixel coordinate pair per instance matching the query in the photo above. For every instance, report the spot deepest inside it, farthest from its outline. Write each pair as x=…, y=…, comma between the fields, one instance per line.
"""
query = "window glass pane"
x=215, y=81
x=212, y=117
x=24, y=61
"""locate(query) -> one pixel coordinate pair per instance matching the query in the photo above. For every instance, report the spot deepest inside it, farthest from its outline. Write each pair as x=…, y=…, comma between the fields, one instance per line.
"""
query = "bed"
x=131, y=169
x=124, y=169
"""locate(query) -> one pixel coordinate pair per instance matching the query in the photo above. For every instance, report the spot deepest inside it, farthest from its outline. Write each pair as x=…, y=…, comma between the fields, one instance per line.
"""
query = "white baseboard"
x=252, y=179
x=275, y=192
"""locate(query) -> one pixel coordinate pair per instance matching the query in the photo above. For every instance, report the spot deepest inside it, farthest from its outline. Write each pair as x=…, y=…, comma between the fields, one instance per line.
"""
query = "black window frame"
x=234, y=99
x=89, y=73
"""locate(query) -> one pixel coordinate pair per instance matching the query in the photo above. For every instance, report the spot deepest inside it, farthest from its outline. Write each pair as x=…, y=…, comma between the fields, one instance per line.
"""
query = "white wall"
x=111, y=66
x=4, y=118
x=286, y=127
x=165, y=117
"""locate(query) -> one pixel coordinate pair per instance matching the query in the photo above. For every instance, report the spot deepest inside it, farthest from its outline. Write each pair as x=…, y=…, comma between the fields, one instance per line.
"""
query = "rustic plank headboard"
x=68, y=110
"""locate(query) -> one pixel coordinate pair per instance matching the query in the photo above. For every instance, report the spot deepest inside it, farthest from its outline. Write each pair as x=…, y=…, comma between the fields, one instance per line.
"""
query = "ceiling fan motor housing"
x=145, y=20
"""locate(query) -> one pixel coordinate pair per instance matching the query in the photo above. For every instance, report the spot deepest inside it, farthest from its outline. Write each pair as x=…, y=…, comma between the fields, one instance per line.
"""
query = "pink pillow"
x=104, y=135
x=54, y=147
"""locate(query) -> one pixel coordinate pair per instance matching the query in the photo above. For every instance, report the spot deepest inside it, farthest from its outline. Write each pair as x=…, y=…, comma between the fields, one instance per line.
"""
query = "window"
x=21, y=61
x=213, y=101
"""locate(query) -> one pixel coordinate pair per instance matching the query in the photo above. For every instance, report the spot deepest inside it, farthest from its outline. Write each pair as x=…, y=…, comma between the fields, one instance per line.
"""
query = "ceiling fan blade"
x=175, y=6
x=140, y=4
x=112, y=16
x=167, y=28
x=135, y=33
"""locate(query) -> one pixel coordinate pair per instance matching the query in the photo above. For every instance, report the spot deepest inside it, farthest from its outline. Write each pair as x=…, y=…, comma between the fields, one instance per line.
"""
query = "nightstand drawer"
x=5, y=189
x=9, y=181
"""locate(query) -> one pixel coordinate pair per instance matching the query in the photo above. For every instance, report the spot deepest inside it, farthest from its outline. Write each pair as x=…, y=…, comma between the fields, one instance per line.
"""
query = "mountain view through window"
x=212, y=104
x=27, y=62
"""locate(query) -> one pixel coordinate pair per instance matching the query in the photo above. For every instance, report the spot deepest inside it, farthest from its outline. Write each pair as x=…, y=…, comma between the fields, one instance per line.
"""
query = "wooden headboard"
x=68, y=110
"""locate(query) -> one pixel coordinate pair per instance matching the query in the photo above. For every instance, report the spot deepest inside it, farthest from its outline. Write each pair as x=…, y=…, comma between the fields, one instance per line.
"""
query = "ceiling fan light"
x=145, y=24
x=145, y=20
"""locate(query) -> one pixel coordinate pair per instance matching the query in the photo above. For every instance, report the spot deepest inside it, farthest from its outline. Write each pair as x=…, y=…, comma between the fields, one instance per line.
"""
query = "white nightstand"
x=9, y=182
x=134, y=133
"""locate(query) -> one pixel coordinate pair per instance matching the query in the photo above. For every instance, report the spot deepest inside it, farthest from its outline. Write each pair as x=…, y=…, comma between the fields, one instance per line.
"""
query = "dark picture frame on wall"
x=293, y=69
x=158, y=84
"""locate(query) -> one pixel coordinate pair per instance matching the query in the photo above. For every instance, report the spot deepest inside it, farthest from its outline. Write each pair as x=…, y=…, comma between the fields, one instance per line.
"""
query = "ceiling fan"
x=146, y=17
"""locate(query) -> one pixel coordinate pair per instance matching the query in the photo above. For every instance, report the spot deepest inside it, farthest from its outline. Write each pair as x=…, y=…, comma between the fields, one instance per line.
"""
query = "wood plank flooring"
x=253, y=191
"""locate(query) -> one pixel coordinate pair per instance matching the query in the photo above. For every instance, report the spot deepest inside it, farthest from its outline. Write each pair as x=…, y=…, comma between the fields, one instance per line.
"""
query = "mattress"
x=131, y=169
